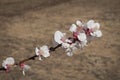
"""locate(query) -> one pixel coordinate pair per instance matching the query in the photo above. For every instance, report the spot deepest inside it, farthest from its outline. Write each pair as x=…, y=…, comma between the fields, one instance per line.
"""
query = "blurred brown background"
x=25, y=24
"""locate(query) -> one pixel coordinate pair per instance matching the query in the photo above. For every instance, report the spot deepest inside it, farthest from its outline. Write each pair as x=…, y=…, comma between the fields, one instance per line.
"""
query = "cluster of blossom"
x=82, y=34
x=10, y=62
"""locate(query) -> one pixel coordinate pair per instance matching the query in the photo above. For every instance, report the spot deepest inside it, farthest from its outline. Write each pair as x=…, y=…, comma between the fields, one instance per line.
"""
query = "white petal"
x=26, y=67
x=4, y=64
x=90, y=24
x=73, y=28
x=97, y=25
x=40, y=58
x=65, y=45
x=82, y=36
x=98, y=33
x=58, y=36
x=23, y=72
x=36, y=51
x=45, y=50
x=10, y=60
x=90, y=21
x=69, y=53
x=79, y=23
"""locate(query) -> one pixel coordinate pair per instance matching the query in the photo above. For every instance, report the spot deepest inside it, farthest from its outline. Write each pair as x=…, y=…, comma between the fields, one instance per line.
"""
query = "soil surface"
x=25, y=24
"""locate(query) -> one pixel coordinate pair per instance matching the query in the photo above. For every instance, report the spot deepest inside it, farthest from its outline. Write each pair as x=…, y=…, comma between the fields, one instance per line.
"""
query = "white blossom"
x=8, y=61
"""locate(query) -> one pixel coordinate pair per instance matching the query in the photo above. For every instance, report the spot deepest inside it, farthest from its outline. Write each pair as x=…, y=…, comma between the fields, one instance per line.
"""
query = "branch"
x=54, y=48
x=31, y=58
x=2, y=69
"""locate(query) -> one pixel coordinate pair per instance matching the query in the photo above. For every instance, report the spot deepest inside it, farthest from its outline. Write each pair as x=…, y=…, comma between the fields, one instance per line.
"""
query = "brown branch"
x=31, y=58
x=2, y=69
x=54, y=48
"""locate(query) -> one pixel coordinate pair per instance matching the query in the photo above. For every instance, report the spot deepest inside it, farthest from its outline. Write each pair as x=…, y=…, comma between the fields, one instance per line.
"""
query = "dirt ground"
x=25, y=24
